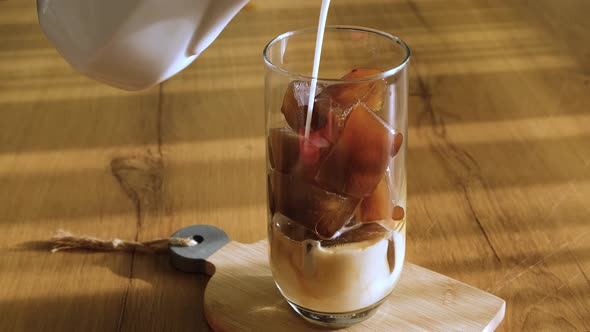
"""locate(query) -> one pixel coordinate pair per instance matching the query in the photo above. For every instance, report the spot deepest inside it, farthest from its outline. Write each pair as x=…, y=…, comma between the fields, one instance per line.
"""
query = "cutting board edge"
x=497, y=320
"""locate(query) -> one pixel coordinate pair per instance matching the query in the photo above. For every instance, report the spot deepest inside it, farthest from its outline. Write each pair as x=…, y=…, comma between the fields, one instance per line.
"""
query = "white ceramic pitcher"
x=133, y=44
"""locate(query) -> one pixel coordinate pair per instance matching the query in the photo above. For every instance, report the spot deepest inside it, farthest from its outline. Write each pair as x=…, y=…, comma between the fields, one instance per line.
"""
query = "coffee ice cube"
x=294, y=107
x=370, y=93
x=333, y=113
x=312, y=151
x=378, y=205
x=291, y=229
x=283, y=149
x=319, y=210
x=290, y=152
x=356, y=163
x=332, y=104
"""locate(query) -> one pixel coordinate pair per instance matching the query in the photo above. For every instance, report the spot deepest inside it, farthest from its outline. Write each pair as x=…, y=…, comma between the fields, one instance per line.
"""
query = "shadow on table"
x=150, y=295
x=146, y=286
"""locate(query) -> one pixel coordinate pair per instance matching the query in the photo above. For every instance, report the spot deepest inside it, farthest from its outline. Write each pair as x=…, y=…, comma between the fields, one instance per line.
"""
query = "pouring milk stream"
x=316, y=62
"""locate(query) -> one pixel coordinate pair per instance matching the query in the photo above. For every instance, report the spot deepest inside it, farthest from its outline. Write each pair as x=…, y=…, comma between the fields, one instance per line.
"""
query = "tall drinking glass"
x=337, y=196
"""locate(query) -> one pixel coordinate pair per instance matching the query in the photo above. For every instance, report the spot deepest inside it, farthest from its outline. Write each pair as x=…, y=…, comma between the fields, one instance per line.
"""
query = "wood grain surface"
x=241, y=296
x=498, y=163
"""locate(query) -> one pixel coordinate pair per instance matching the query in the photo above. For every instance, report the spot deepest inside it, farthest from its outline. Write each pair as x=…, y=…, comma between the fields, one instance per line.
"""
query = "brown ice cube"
x=291, y=229
x=376, y=206
x=295, y=104
x=283, y=146
x=294, y=107
x=332, y=104
x=356, y=163
x=319, y=210
x=290, y=152
x=333, y=113
x=347, y=94
x=367, y=232
x=312, y=152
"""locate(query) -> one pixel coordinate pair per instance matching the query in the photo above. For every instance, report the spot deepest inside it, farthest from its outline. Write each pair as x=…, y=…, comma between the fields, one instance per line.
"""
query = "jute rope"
x=64, y=240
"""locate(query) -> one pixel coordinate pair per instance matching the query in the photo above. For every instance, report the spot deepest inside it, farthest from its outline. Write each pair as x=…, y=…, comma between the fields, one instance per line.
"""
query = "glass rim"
x=381, y=75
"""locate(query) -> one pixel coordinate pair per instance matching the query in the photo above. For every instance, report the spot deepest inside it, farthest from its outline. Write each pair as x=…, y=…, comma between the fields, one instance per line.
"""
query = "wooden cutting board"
x=241, y=295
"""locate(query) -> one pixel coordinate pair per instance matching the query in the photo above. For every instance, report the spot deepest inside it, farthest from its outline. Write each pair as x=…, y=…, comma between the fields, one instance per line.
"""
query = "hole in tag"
x=198, y=238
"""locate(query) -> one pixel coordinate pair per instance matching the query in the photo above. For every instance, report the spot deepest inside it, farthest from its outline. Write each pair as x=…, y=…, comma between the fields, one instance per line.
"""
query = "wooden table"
x=499, y=175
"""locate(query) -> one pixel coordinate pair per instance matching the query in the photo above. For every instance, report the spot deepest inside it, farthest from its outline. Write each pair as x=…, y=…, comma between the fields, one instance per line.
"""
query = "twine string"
x=64, y=240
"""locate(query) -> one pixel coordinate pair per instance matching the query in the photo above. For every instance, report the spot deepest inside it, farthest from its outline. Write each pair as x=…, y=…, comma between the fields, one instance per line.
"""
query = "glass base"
x=335, y=320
